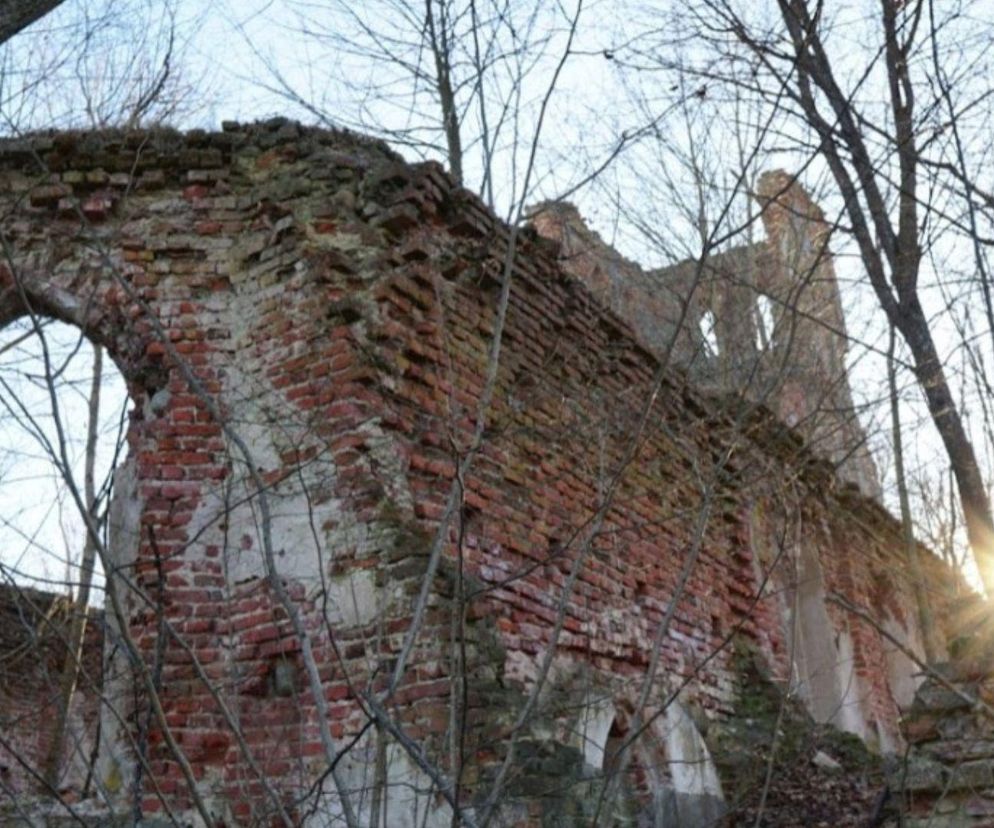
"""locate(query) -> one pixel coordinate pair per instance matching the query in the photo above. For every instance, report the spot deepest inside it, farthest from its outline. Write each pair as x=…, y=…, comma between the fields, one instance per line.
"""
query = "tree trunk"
x=441, y=52
x=77, y=627
x=974, y=498
x=925, y=620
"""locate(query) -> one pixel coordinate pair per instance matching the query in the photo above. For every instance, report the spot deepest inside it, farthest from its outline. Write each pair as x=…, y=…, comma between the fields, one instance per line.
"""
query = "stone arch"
x=224, y=258
x=89, y=297
x=30, y=333
x=645, y=794
x=670, y=777
x=114, y=239
x=86, y=287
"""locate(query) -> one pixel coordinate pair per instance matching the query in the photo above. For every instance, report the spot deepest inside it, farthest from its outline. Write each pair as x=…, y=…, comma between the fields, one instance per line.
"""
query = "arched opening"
x=765, y=323
x=624, y=757
x=709, y=335
x=611, y=761
x=63, y=416
x=668, y=775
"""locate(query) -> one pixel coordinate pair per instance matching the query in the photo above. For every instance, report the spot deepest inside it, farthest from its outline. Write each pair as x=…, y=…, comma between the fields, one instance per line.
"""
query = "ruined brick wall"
x=33, y=634
x=333, y=310
x=762, y=320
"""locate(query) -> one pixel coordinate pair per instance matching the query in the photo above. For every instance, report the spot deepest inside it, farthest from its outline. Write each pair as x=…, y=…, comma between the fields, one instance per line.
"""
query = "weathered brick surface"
x=34, y=628
x=338, y=306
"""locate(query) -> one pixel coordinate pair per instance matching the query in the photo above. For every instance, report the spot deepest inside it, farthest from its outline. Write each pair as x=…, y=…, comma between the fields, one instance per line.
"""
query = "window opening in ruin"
x=800, y=227
x=612, y=747
x=46, y=399
x=623, y=805
x=646, y=774
x=765, y=322
x=708, y=334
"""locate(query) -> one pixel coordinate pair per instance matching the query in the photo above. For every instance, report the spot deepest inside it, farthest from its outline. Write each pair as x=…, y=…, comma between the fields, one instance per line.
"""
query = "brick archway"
x=304, y=322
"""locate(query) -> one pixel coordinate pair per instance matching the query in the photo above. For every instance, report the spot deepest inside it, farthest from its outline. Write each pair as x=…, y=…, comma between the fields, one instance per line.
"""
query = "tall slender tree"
x=895, y=176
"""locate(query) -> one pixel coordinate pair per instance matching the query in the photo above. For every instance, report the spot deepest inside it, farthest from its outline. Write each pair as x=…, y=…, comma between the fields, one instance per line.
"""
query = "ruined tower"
x=763, y=321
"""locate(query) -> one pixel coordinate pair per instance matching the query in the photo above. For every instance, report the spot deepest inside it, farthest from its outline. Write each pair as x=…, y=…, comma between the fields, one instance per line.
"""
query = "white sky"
x=40, y=525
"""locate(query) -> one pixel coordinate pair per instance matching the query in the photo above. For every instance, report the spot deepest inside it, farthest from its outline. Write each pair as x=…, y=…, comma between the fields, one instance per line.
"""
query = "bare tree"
x=102, y=64
x=884, y=163
x=461, y=81
x=81, y=600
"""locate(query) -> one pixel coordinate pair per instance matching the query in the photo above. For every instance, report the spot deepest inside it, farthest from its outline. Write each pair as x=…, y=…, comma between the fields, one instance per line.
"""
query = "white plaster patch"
x=594, y=726
x=124, y=517
x=691, y=766
x=904, y=676
x=229, y=514
x=115, y=762
x=236, y=528
x=353, y=598
x=621, y=627
x=822, y=656
x=520, y=667
x=389, y=465
x=850, y=716
x=407, y=800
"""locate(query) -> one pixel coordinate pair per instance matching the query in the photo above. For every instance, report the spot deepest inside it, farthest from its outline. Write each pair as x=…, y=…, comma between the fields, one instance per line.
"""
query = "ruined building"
x=361, y=568
x=764, y=320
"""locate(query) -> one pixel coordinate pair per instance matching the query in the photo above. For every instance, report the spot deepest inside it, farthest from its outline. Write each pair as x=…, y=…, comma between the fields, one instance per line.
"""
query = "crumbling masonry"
x=304, y=322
